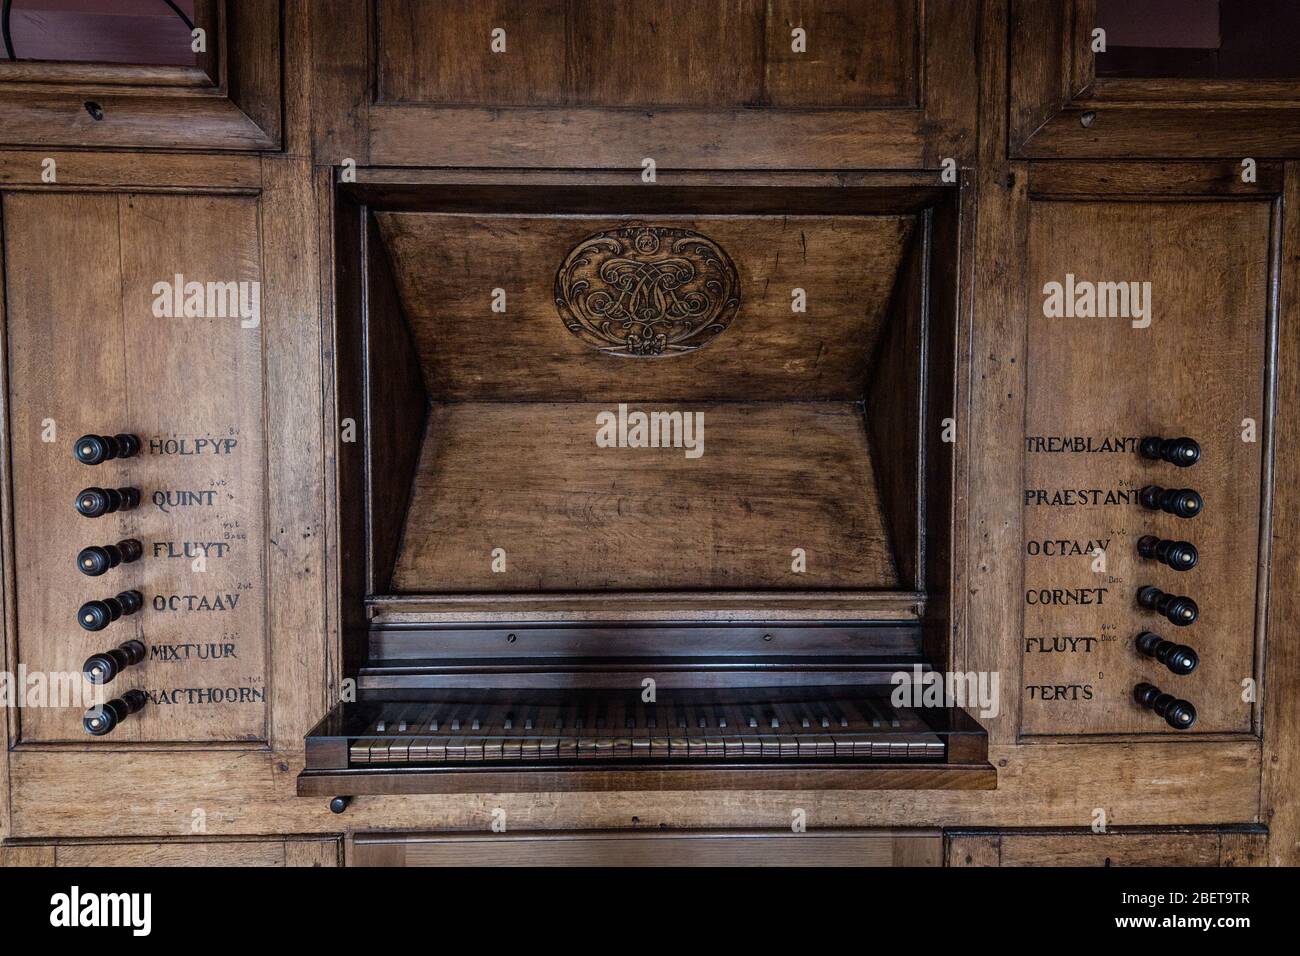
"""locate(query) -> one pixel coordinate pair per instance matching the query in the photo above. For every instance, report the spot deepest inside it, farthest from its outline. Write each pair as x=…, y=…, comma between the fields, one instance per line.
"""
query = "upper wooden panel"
x=672, y=53
x=734, y=84
x=447, y=267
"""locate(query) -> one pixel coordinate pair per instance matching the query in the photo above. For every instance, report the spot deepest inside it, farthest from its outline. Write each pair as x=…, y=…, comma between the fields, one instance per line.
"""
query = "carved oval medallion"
x=645, y=291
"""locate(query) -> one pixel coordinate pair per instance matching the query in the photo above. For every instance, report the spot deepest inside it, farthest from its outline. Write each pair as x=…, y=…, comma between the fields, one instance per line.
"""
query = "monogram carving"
x=644, y=291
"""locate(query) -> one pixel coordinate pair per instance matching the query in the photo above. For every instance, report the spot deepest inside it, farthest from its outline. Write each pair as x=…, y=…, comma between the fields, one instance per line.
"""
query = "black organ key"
x=511, y=745
x=529, y=747
x=679, y=734
x=474, y=738
x=584, y=739
x=548, y=744
x=700, y=739
x=639, y=732
x=783, y=719
x=566, y=742
x=660, y=736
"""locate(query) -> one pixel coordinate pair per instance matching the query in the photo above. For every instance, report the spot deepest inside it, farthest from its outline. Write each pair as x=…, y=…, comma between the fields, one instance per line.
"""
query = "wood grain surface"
x=87, y=354
x=446, y=267
x=529, y=478
x=1198, y=370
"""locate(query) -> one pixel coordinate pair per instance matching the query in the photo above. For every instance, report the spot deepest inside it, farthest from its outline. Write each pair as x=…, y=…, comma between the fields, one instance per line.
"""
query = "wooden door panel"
x=88, y=353
x=1096, y=386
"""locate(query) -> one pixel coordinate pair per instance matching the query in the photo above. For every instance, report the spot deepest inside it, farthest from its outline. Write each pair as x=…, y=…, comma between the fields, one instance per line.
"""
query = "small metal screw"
x=510, y=638
x=1087, y=118
x=95, y=110
x=767, y=637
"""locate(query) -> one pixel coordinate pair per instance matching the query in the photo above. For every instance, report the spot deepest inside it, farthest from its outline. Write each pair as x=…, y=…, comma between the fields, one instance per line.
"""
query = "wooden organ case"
x=644, y=418
x=652, y=520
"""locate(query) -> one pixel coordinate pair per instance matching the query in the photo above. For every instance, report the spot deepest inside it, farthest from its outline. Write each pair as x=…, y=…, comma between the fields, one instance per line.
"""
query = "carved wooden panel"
x=446, y=267
x=643, y=291
x=107, y=334
x=1096, y=385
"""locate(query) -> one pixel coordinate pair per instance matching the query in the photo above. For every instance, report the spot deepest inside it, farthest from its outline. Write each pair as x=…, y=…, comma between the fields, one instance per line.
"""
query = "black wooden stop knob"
x=96, y=502
x=1178, y=714
x=1179, y=555
x=1182, y=502
x=1179, y=658
x=102, y=668
x=97, y=559
x=97, y=615
x=1180, y=610
x=97, y=449
x=1177, y=451
x=101, y=720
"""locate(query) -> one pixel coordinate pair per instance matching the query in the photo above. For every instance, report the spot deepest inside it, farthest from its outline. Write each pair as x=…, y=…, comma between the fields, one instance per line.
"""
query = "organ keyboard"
x=699, y=725
x=713, y=735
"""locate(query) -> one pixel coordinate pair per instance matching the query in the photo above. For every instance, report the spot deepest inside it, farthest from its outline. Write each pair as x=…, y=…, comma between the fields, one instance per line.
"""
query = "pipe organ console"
x=651, y=426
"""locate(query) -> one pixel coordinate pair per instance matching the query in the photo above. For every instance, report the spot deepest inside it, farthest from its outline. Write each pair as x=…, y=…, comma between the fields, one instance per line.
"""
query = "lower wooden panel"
x=303, y=851
x=1227, y=846
x=399, y=781
x=565, y=529
x=1138, y=783
x=705, y=848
